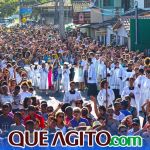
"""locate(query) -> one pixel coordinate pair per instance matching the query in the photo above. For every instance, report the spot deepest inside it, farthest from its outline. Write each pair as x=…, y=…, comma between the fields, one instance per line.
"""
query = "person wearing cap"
x=135, y=127
x=77, y=118
x=32, y=115
x=43, y=77
x=92, y=79
x=133, y=92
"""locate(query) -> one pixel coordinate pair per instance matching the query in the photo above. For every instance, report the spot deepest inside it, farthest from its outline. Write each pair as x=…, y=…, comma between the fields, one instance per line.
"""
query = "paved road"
x=55, y=99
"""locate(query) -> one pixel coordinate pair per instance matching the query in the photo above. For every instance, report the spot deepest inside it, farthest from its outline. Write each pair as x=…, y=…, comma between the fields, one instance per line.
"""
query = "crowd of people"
x=36, y=59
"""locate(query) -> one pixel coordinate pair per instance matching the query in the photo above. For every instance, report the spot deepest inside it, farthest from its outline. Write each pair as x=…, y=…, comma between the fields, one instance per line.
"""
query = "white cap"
x=66, y=63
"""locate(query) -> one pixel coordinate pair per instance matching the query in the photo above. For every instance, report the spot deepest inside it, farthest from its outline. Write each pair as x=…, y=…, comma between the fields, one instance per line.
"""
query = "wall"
x=140, y=3
x=143, y=34
x=109, y=32
x=96, y=16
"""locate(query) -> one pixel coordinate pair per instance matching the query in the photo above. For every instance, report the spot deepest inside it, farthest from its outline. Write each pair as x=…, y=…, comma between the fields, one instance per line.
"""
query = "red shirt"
x=36, y=117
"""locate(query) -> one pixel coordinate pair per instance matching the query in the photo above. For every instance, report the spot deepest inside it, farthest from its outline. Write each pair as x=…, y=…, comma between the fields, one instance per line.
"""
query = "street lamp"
x=136, y=22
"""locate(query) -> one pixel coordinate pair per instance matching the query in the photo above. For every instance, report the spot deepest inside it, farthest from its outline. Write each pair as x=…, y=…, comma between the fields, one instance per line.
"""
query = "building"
x=143, y=4
x=47, y=13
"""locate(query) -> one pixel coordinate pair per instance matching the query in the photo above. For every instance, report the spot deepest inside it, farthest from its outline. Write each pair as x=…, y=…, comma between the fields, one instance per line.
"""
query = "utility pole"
x=136, y=22
x=61, y=19
x=20, y=6
x=56, y=13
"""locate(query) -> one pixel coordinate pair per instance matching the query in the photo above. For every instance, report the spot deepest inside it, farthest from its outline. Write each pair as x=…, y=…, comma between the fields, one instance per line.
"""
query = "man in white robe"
x=146, y=86
x=101, y=97
x=139, y=82
x=116, y=80
x=133, y=92
x=72, y=95
x=92, y=79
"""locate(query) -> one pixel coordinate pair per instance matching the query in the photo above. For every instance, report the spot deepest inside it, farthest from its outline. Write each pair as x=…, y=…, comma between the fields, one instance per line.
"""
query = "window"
x=146, y=3
x=107, y=3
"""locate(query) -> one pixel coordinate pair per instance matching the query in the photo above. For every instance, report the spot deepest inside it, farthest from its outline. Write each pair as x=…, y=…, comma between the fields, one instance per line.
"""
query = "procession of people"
x=104, y=87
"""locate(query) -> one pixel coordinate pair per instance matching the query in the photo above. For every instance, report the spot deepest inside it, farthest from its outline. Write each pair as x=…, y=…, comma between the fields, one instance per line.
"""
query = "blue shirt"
x=75, y=123
x=126, y=112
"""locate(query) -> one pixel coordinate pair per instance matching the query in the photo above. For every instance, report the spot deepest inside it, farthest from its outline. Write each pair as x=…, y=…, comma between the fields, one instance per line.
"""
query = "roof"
x=104, y=24
x=52, y=4
x=125, y=21
x=132, y=12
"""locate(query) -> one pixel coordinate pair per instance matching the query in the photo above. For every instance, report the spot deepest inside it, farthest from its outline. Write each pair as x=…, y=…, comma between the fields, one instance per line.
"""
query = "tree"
x=10, y=7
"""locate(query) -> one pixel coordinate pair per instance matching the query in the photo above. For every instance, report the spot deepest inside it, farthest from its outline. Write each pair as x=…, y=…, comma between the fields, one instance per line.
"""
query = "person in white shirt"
x=117, y=114
x=25, y=92
x=92, y=79
x=72, y=95
x=116, y=80
x=102, y=98
x=133, y=92
x=146, y=87
x=139, y=82
x=66, y=78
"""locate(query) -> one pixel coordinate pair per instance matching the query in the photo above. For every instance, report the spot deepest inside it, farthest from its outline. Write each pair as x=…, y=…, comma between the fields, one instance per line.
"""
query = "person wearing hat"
x=43, y=77
x=92, y=79
x=133, y=92
x=135, y=130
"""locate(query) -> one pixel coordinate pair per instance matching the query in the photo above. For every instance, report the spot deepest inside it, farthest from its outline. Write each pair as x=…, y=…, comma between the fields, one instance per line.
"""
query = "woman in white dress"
x=66, y=78
x=43, y=78
x=36, y=76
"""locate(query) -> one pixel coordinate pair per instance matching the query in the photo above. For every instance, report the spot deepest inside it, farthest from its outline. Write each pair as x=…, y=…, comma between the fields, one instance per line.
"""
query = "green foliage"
x=10, y=7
